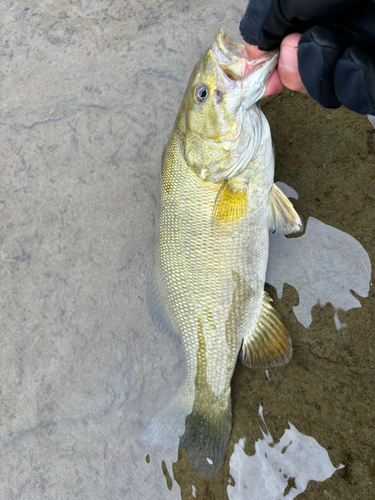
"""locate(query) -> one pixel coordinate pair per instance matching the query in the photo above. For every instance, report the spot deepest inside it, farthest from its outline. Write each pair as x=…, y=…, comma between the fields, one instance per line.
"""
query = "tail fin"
x=168, y=424
x=203, y=431
x=206, y=438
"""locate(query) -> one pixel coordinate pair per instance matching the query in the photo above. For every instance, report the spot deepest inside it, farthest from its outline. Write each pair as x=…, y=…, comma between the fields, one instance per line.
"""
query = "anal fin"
x=270, y=344
x=282, y=217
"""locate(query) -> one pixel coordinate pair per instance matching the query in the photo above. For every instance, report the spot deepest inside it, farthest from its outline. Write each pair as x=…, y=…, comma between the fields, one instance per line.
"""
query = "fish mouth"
x=233, y=60
x=242, y=82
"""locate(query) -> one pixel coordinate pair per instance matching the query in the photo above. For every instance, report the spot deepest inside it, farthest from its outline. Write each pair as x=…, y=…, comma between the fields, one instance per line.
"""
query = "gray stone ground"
x=89, y=92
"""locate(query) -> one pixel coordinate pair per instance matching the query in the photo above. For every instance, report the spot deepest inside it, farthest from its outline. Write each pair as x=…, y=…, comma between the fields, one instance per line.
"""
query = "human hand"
x=286, y=73
x=327, y=48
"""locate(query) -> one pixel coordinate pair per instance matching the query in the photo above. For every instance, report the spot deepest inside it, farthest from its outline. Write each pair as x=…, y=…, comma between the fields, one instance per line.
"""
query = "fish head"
x=222, y=126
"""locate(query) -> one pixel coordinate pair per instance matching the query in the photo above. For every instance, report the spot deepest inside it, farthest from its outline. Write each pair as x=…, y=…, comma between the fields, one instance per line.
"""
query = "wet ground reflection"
x=324, y=265
x=278, y=470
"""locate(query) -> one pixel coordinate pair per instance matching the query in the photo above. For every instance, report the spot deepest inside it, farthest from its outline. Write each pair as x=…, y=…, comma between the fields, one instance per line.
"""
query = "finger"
x=274, y=85
x=318, y=52
x=252, y=51
x=288, y=63
x=334, y=76
x=355, y=80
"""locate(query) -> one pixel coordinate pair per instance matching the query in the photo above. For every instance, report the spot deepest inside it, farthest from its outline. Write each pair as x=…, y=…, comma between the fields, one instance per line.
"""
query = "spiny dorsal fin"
x=282, y=217
x=231, y=204
x=269, y=345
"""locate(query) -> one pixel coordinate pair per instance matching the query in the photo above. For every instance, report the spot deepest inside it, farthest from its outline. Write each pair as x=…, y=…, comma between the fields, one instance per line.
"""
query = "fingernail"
x=288, y=59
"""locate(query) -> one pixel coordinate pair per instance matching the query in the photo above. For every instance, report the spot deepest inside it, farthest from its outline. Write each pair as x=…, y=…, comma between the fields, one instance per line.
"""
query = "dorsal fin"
x=269, y=345
x=282, y=217
x=231, y=204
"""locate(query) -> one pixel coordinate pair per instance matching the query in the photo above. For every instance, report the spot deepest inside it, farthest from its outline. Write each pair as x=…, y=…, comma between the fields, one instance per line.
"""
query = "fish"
x=218, y=203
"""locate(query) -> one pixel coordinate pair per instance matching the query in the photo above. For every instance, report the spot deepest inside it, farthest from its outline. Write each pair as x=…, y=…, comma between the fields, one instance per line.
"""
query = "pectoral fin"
x=269, y=345
x=231, y=203
x=282, y=217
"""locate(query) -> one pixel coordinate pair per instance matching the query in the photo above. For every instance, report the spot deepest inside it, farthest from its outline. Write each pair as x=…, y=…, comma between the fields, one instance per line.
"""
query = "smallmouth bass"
x=217, y=205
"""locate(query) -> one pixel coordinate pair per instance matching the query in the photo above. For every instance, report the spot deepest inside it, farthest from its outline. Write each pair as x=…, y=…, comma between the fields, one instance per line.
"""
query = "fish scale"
x=197, y=259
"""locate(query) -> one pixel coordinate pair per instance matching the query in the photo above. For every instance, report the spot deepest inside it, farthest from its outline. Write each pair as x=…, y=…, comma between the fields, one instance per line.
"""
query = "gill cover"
x=223, y=130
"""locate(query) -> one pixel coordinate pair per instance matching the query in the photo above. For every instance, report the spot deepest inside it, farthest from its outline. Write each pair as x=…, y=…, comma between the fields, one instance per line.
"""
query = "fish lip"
x=238, y=72
x=269, y=57
x=228, y=47
x=233, y=59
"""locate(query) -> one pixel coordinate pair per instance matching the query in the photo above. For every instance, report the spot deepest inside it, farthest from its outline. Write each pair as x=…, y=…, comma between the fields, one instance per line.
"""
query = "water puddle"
x=278, y=470
x=324, y=265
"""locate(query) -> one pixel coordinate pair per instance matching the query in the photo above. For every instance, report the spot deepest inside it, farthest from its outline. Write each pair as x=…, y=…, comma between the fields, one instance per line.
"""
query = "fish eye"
x=201, y=93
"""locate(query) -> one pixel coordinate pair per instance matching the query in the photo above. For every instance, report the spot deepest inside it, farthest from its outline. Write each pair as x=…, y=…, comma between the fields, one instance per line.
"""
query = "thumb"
x=288, y=63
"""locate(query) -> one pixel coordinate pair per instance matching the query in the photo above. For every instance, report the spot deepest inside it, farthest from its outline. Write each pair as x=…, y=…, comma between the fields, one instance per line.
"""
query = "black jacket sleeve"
x=336, y=54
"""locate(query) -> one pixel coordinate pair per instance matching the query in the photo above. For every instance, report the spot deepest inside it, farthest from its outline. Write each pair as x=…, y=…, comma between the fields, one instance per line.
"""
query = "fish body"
x=217, y=204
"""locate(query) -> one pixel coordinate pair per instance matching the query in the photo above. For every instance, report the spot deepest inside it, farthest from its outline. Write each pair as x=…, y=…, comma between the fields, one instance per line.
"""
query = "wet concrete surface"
x=89, y=93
